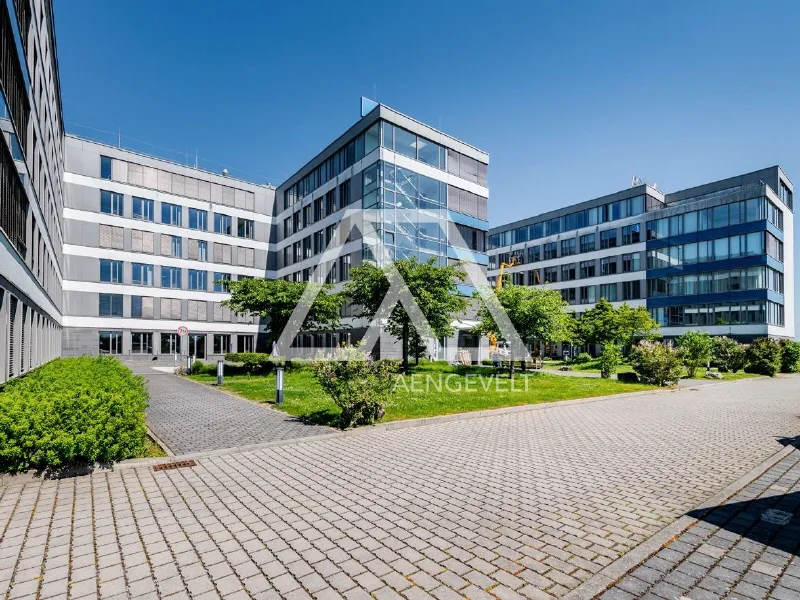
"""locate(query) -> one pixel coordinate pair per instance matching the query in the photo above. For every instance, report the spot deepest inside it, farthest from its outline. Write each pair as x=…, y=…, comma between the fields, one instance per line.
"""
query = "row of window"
x=110, y=342
x=746, y=211
x=172, y=183
x=111, y=271
x=334, y=271
x=735, y=246
x=112, y=203
x=692, y=315
x=321, y=207
x=590, y=294
x=717, y=282
x=630, y=263
x=142, y=307
x=584, y=218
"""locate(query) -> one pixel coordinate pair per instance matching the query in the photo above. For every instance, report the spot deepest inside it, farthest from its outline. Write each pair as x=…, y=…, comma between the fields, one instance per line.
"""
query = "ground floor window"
x=245, y=343
x=222, y=343
x=170, y=343
x=141, y=342
x=197, y=345
x=110, y=342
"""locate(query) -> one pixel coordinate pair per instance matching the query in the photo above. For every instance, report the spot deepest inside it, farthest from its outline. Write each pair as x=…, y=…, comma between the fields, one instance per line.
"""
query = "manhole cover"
x=776, y=517
x=178, y=464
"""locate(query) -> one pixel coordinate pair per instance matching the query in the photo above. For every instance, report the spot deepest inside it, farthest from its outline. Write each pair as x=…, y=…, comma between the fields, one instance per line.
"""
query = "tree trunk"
x=405, y=346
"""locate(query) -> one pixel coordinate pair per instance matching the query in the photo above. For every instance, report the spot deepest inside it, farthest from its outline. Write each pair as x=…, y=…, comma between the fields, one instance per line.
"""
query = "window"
x=609, y=292
x=223, y=253
x=110, y=271
x=170, y=214
x=141, y=274
x=568, y=247
x=198, y=219
x=287, y=227
x=245, y=343
x=631, y=262
x=330, y=202
x=16, y=149
x=197, y=310
x=105, y=167
x=587, y=243
x=608, y=239
x=171, y=308
x=344, y=194
x=141, y=342
x=535, y=277
x=631, y=290
x=171, y=245
x=142, y=209
x=110, y=342
x=202, y=250
x=588, y=294
x=534, y=253
x=222, y=343
x=246, y=228
x=587, y=269
x=568, y=295
x=221, y=282
x=170, y=343
x=141, y=307
x=608, y=266
x=110, y=305
x=551, y=275
x=631, y=234
x=110, y=203
x=112, y=237
x=197, y=280
x=568, y=272
x=550, y=251
x=171, y=277
x=222, y=224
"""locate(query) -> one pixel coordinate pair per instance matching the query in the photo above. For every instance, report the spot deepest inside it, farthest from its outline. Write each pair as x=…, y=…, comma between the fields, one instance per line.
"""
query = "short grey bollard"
x=279, y=385
x=220, y=367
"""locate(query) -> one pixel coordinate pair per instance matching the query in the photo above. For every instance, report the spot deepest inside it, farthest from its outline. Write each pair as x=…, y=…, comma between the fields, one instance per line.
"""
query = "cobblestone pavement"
x=745, y=548
x=523, y=504
x=189, y=417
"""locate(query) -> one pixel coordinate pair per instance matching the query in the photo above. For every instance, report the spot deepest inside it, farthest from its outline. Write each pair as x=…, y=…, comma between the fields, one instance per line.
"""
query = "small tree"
x=599, y=325
x=635, y=323
x=727, y=354
x=695, y=350
x=656, y=363
x=434, y=288
x=610, y=359
x=790, y=356
x=358, y=385
x=535, y=313
x=276, y=299
x=763, y=357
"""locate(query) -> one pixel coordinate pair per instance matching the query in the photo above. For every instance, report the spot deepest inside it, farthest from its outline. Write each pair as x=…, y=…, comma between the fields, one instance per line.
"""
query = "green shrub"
x=790, y=356
x=728, y=355
x=197, y=367
x=628, y=377
x=252, y=362
x=609, y=361
x=358, y=385
x=70, y=412
x=694, y=349
x=763, y=357
x=582, y=358
x=656, y=363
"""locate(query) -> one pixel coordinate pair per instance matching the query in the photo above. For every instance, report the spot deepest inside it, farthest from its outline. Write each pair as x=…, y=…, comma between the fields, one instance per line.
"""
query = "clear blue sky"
x=571, y=100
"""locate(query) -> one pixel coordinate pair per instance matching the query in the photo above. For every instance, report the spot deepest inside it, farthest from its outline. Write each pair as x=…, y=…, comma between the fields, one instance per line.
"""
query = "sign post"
x=183, y=331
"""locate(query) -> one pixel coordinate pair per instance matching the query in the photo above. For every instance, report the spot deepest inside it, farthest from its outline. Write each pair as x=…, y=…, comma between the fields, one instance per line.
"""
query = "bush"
x=727, y=354
x=358, y=385
x=694, y=349
x=252, y=362
x=763, y=357
x=582, y=358
x=197, y=367
x=70, y=412
x=656, y=363
x=790, y=356
x=627, y=377
x=609, y=361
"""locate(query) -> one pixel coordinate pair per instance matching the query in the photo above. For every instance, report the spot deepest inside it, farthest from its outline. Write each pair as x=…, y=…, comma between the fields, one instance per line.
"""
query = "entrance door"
x=197, y=345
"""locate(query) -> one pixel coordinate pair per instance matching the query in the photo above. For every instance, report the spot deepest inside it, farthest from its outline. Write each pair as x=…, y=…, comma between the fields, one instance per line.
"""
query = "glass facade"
x=727, y=313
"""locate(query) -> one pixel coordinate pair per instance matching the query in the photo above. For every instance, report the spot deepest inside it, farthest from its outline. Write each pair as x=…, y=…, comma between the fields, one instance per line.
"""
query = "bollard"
x=220, y=368
x=278, y=385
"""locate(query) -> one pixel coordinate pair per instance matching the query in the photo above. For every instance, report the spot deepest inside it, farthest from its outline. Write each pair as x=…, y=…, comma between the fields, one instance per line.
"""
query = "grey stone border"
x=611, y=574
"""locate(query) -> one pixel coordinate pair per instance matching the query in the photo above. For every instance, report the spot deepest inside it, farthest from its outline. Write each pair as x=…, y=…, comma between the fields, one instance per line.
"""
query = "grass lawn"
x=432, y=389
x=152, y=450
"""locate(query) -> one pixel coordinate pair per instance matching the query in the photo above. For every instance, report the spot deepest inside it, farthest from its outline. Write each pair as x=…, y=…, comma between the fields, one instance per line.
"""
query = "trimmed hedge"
x=70, y=412
x=627, y=377
x=253, y=362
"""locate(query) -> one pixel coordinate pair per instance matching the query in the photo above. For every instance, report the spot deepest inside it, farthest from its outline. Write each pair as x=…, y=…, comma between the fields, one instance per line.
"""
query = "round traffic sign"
x=183, y=331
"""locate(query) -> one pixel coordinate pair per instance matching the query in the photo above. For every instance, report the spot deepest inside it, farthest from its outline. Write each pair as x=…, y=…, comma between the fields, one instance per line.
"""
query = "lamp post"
x=220, y=374
x=279, y=385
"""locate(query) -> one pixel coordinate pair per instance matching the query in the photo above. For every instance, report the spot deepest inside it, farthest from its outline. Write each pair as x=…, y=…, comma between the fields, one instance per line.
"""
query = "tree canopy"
x=276, y=299
x=605, y=324
x=433, y=287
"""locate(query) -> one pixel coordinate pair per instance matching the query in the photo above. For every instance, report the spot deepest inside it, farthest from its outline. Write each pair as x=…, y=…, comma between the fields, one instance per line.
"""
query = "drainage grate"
x=178, y=464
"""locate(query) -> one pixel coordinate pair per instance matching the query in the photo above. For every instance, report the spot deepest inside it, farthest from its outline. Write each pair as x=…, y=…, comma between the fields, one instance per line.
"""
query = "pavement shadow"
x=772, y=520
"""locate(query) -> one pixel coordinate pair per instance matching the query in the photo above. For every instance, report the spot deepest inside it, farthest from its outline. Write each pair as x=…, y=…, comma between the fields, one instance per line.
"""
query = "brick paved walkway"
x=523, y=504
x=745, y=548
x=189, y=417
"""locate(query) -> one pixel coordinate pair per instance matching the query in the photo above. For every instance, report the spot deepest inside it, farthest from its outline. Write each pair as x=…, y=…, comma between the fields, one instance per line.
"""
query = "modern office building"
x=31, y=189
x=717, y=257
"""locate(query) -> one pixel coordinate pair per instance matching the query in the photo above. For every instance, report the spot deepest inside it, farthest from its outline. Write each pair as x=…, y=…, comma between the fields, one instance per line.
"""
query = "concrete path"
x=523, y=504
x=189, y=417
